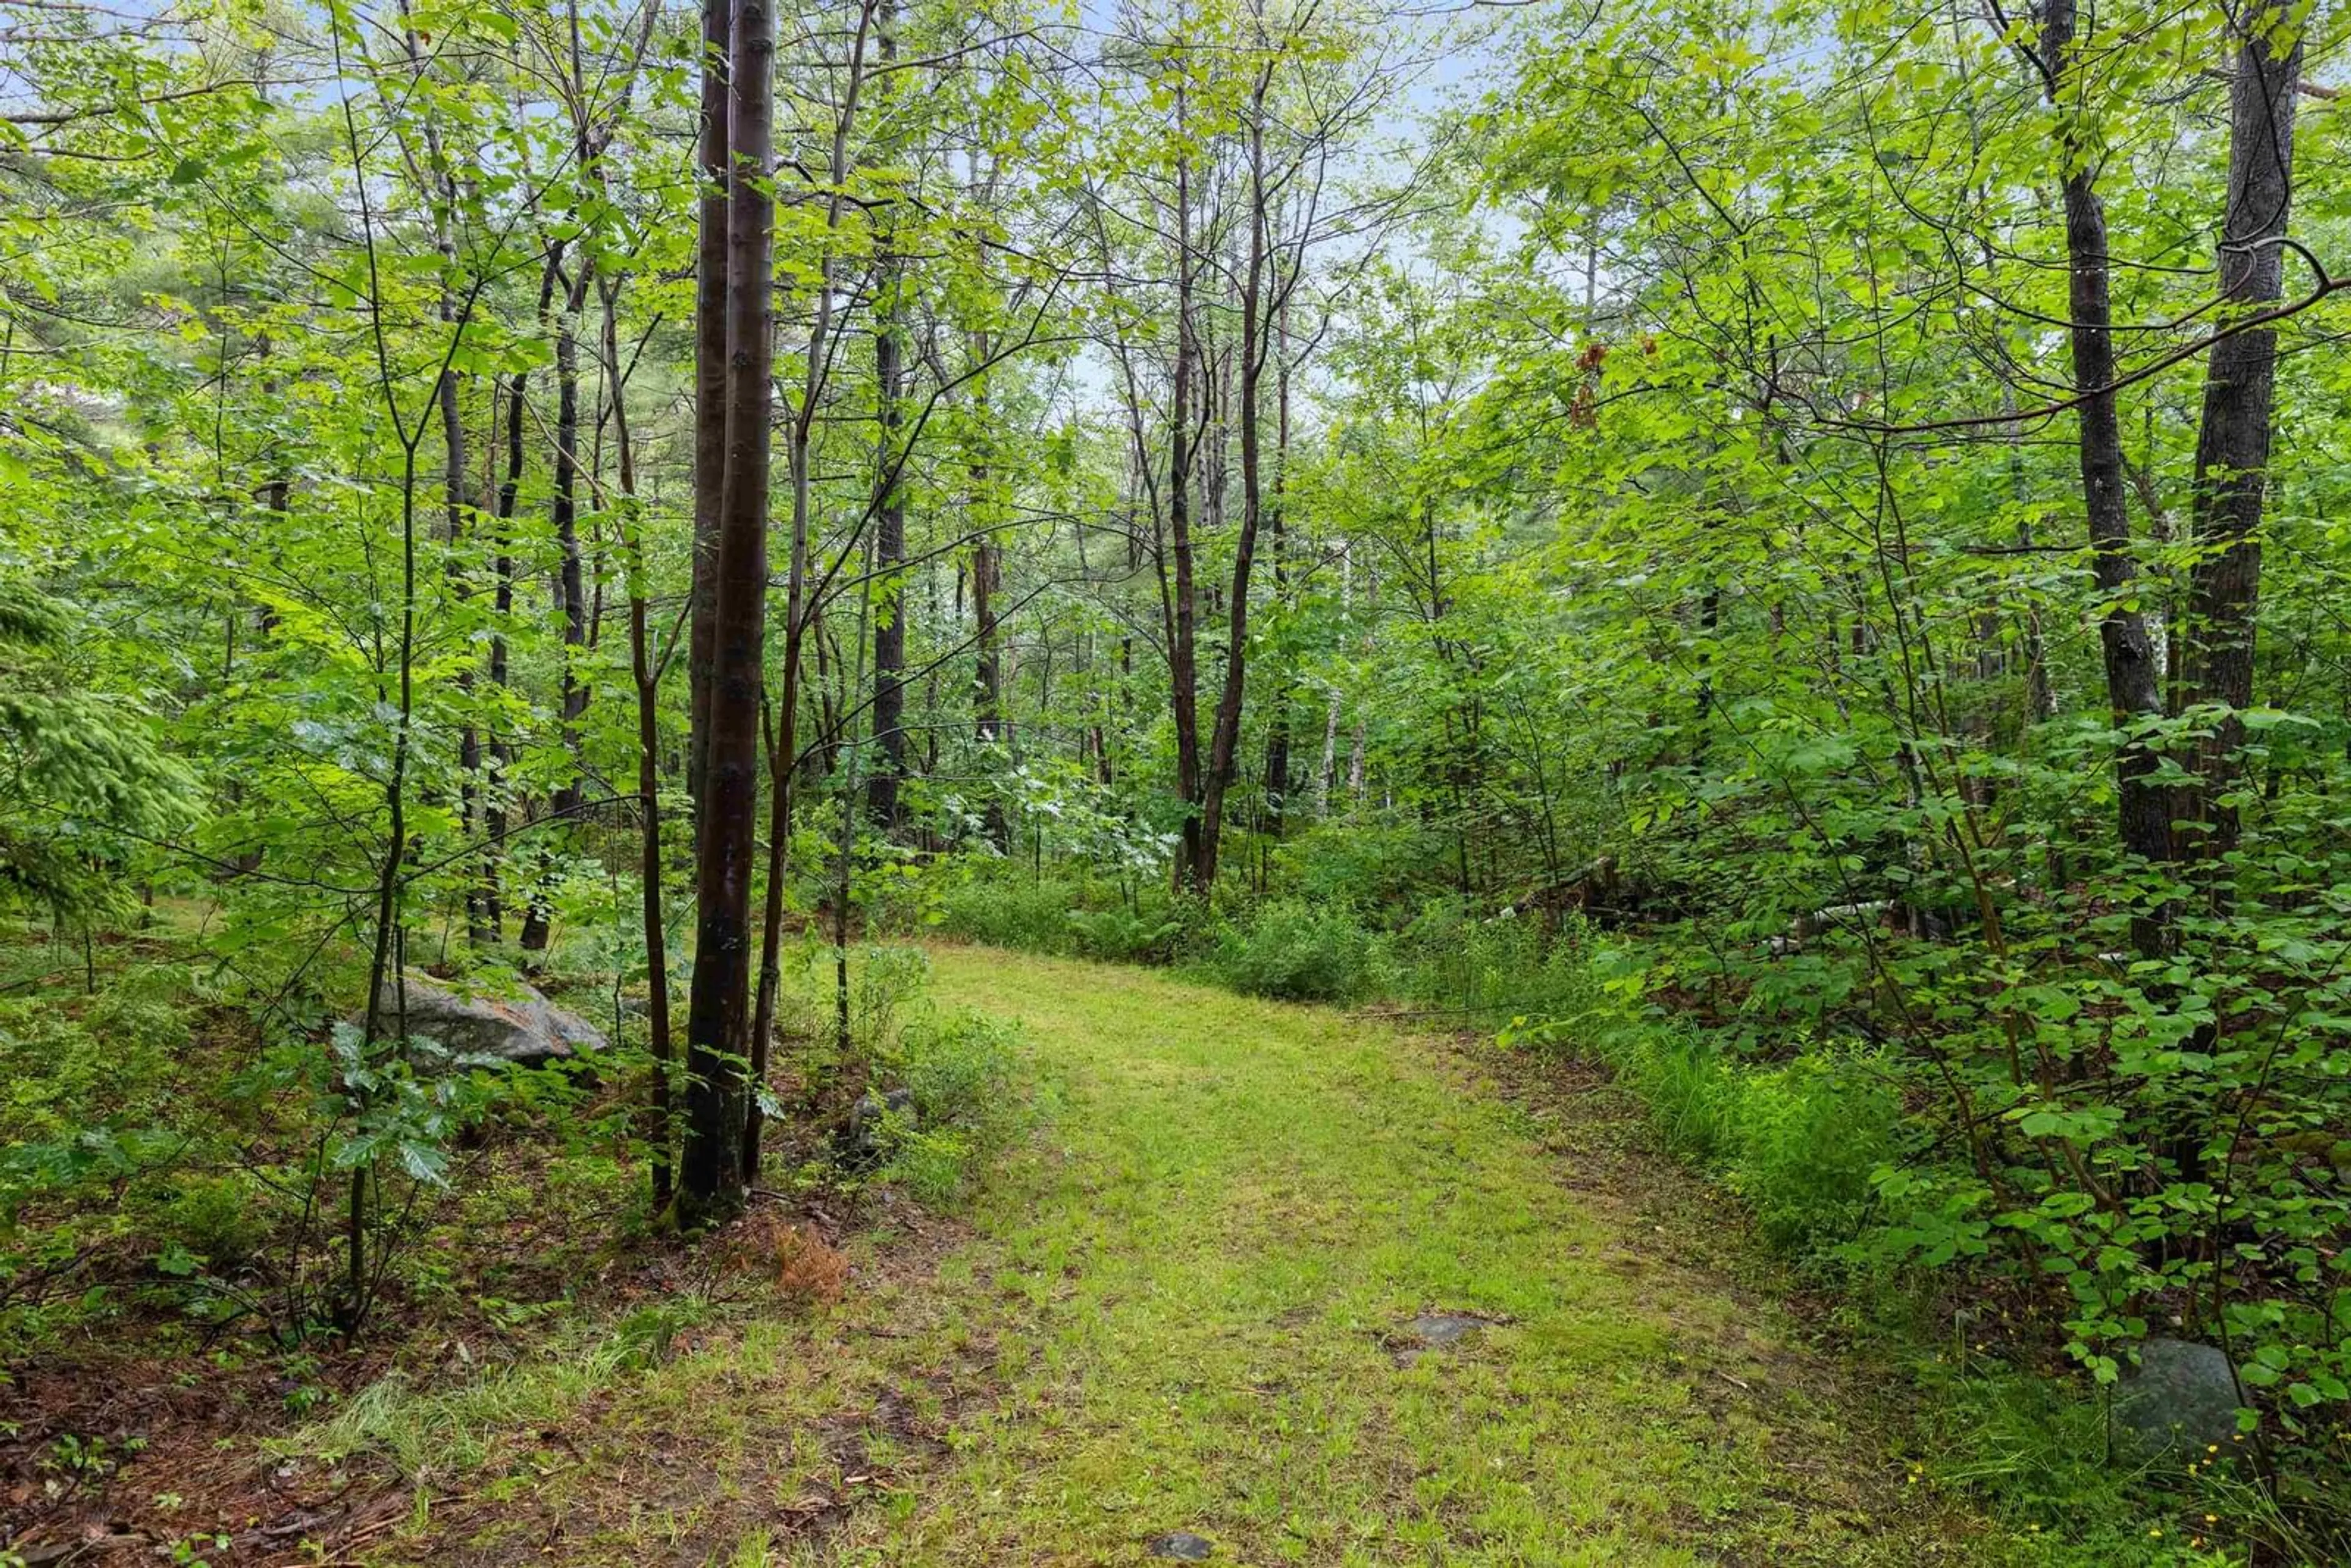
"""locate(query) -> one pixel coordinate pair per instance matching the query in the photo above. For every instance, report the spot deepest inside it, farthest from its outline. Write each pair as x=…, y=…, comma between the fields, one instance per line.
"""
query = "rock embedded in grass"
x=2182, y=1392
x=1444, y=1328
x=1433, y=1330
x=1181, y=1546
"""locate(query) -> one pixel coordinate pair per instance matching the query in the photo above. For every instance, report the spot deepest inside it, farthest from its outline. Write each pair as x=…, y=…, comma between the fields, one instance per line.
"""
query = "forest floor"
x=1270, y=1283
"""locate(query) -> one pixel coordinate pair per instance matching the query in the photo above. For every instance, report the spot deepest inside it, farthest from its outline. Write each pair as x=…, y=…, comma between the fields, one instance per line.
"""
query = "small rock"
x=1444, y=1328
x=523, y=1028
x=2182, y=1392
x=1432, y=1331
x=1181, y=1545
x=862, y=1139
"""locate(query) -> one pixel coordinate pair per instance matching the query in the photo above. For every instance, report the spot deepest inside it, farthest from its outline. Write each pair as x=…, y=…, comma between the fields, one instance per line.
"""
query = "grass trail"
x=1187, y=1308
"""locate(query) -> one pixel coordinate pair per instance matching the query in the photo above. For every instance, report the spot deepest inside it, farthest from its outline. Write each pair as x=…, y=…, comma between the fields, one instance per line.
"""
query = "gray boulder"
x=523, y=1027
x=862, y=1139
x=2180, y=1393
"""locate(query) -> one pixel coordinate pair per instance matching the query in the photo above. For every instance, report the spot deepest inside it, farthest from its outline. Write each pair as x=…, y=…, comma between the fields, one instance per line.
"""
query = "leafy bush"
x=1800, y=1141
x=1009, y=911
x=1494, y=966
x=1125, y=935
x=964, y=1073
x=223, y=1219
x=1298, y=952
x=1368, y=864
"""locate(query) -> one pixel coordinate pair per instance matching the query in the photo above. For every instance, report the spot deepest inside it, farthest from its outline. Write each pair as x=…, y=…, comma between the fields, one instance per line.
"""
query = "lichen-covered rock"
x=522, y=1026
x=2180, y=1392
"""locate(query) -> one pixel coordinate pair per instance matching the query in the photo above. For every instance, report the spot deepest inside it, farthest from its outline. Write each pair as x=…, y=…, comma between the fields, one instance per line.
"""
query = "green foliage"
x=1298, y=952
x=83, y=775
x=1800, y=1139
x=1008, y=910
x=967, y=1073
x=1149, y=932
x=1484, y=970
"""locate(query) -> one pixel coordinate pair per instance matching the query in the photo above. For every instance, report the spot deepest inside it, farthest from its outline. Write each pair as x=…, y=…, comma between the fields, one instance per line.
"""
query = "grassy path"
x=1188, y=1308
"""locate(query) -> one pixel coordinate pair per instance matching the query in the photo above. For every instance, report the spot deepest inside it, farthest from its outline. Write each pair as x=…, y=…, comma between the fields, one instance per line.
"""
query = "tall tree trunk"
x=987, y=669
x=570, y=588
x=709, y=392
x=1225, y=740
x=646, y=673
x=798, y=609
x=2233, y=449
x=1183, y=659
x=890, y=511
x=480, y=900
x=718, y=1016
x=494, y=814
x=1277, y=740
x=2133, y=689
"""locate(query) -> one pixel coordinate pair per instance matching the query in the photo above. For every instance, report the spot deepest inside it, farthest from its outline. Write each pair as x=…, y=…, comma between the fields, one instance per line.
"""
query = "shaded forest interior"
x=1791, y=550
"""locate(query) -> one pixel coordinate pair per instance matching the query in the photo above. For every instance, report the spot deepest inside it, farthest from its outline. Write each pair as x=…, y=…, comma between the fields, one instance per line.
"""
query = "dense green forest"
x=551, y=550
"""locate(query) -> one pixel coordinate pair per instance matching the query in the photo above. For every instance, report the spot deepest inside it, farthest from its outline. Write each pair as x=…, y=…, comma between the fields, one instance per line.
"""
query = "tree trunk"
x=1224, y=741
x=718, y=1013
x=889, y=513
x=571, y=590
x=2233, y=449
x=800, y=609
x=1182, y=661
x=2132, y=689
x=1277, y=740
x=647, y=676
x=494, y=814
x=709, y=392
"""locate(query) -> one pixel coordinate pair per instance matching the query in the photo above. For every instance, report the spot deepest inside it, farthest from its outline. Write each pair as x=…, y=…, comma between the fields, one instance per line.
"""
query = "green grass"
x=1178, y=1308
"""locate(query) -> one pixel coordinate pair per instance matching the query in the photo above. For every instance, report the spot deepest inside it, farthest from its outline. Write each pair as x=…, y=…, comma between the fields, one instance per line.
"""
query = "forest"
x=772, y=708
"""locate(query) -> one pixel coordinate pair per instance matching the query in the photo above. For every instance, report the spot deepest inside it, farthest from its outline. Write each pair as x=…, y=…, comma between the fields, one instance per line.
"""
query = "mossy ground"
x=1185, y=1306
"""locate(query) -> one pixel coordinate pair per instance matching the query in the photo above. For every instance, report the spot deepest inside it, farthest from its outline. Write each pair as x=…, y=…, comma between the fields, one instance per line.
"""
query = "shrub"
x=1120, y=934
x=1008, y=911
x=1495, y=965
x=223, y=1219
x=1800, y=1141
x=964, y=1075
x=1297, y=952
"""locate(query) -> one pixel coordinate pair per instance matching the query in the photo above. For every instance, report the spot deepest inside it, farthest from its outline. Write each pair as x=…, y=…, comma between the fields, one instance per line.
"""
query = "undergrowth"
x=1813, y=1130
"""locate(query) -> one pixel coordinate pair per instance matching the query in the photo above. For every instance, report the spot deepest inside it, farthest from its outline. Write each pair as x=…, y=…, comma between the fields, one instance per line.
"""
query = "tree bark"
x=494, y=815
x=1277, y=740
x=1183, y=660
x=889, y=513
x=2232, y=448
x=571, y=589
x=646, y=675
x=2133, y=689
x=800, y=609
x=718, y=1011
x=709, y=392
x=1224, y=740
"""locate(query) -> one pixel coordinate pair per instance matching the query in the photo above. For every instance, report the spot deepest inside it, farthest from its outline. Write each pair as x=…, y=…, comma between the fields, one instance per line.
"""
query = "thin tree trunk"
x=890, y=512
x=1277, y=740
x=495, y=820
x=659, y=1131
x=2134, y=690
x=1225, y=740
x=570, y=588
x=797, y=613
x=1183, y=662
